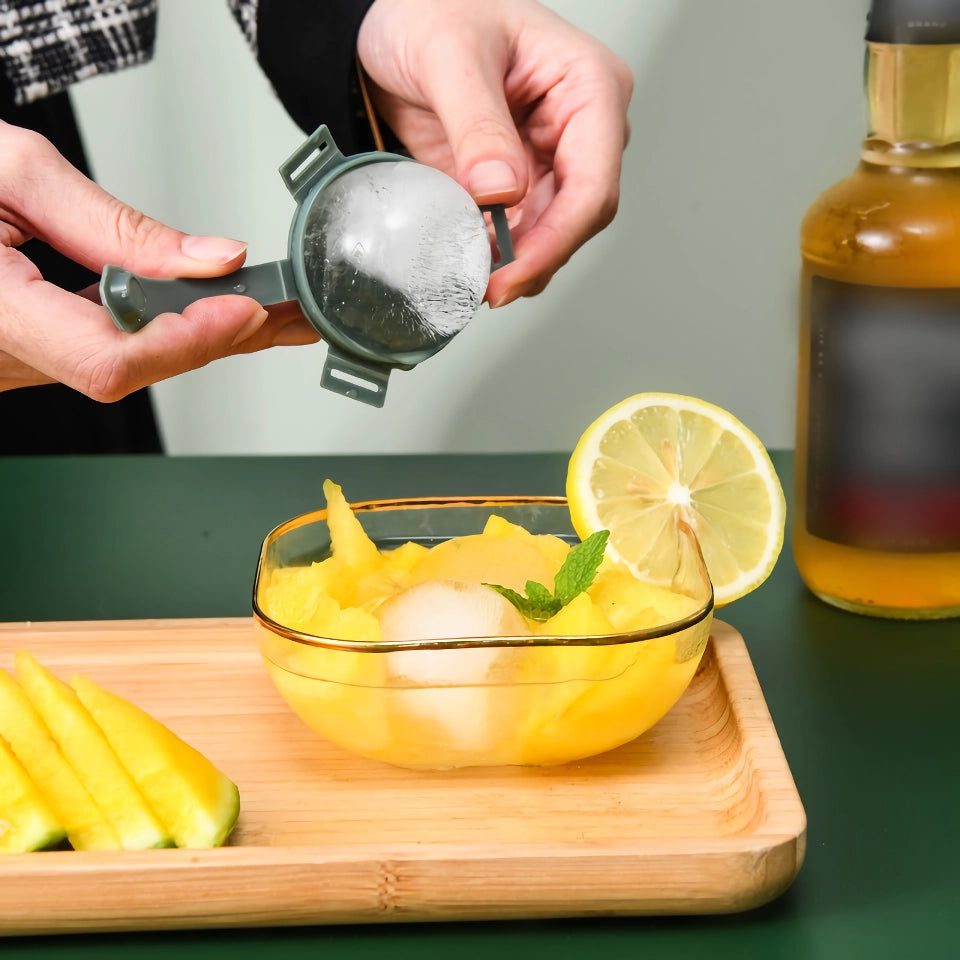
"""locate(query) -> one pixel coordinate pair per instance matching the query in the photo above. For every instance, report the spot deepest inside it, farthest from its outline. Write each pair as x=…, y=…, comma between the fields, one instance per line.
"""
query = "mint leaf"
x=538, y=593
x=515, y=598
x=580, y=567
x=540, y=607
x=573, y=577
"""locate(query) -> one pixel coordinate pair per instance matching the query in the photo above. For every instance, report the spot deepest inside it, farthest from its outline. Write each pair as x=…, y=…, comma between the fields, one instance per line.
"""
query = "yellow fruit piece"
x=295, y=600
x=585, y=699
x=356, y=624
x=401, y=560
x=197, y=804
x=337, y=693
x=631, y=604
x=581, y=617
x=349, y=541
x=480, y=558
x=563, y=673
x=86, y=825
x=368, y=591
x=365, y=586
x=582, y=718
x=26, y=821
x=87, y=750
x=553, y=550
x=292, y=595
x=655, y=458
x=357, y=574
x=304, y=599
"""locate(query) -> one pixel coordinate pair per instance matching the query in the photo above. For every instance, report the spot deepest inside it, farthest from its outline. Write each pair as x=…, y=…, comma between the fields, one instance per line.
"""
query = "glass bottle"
x=877, y=520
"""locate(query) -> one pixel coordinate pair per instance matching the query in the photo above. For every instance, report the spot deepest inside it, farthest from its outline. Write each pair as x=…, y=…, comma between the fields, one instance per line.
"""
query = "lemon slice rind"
x=655, y=458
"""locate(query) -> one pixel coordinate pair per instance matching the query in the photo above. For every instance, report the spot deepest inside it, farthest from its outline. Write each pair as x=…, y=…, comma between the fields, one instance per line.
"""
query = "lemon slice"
x=655, y=458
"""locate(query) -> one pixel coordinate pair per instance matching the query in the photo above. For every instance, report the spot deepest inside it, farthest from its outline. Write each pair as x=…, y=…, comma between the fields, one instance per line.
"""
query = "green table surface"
x=866, y=709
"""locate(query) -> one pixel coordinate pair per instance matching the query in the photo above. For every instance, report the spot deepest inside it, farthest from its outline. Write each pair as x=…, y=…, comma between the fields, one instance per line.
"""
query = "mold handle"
x=133, y=301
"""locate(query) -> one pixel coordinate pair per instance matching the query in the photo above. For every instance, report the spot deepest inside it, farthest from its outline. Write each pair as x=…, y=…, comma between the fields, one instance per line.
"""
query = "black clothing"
x=307, y=49
x=54, y=418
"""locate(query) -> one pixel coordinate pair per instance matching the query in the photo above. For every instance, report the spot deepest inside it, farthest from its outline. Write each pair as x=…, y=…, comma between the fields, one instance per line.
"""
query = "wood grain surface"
x=699, y=815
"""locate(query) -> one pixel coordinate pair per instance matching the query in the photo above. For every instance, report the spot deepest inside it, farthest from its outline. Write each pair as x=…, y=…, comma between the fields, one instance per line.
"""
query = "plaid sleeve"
x=245, y=13
x=45, y=45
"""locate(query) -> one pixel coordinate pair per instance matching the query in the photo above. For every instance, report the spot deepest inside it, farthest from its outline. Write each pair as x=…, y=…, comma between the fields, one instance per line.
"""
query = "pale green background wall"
x=743, y=111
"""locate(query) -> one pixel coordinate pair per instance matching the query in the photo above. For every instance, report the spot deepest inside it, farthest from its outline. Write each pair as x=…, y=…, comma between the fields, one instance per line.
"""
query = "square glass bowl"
x=479, y=701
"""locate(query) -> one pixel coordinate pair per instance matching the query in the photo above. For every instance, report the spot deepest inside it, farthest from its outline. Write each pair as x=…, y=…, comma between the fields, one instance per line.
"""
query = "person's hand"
x=48, y=334
x=516, y=104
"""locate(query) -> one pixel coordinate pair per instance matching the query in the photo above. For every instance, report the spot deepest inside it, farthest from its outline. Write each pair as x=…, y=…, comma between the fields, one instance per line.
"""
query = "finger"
x=61, y=206
x=587, y=194
x=285, y=326
x=69, y=339
x=464, y=86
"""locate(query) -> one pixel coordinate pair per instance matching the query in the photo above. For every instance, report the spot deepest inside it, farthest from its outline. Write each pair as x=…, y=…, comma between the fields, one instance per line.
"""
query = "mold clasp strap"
x=356, y=379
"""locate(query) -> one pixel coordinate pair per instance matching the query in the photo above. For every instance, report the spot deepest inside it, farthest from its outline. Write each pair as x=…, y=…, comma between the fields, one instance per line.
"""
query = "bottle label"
x=883, y=466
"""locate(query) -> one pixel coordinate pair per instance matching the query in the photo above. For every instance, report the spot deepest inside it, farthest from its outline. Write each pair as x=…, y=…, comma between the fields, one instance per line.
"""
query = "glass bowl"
x=481, y=701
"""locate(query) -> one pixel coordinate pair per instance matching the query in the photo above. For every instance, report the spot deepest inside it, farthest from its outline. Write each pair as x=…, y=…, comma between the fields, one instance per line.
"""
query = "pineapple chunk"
x=403, y=559
x=632, y=604
x=551, y=548
x=479, y=558
x=348, y=539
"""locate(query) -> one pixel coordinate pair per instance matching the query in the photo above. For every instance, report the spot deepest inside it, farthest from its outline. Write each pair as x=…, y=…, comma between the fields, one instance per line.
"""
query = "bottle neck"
x=913, y=93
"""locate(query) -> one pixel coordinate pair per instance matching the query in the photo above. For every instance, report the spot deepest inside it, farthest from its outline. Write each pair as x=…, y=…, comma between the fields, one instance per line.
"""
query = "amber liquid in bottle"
x=877, y=521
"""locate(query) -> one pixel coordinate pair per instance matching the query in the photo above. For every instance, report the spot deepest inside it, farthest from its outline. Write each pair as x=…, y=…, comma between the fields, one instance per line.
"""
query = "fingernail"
x=491, y=179
x=255, y=322
x=212, y=249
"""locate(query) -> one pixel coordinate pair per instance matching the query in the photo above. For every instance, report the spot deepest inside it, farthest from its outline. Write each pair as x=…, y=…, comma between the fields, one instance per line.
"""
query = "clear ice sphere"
x=397, y=256
x=450, y=689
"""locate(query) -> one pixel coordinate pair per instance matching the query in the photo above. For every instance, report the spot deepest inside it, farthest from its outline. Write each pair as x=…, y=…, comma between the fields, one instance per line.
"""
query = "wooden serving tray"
x=700, y=815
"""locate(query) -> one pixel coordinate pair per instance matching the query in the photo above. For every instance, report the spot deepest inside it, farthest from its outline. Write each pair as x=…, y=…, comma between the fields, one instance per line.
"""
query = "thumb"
x=71, y=213
x=488, y=156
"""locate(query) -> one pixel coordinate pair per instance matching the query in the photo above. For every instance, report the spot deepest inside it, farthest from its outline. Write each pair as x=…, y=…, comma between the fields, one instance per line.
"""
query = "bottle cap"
x=913, y=21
